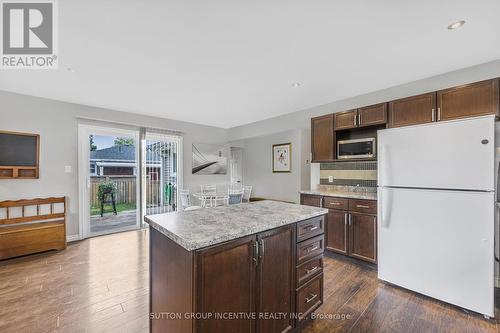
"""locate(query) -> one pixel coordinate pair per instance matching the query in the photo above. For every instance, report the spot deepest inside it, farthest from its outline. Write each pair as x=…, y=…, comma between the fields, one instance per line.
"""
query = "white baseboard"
x=72, y=238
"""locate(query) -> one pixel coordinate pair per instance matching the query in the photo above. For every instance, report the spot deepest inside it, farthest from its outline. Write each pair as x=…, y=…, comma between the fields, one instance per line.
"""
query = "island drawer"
x=309, y=297
x=336, y=203
x=310, y=248
x=309, y=269
x=363, y=206
x=310, y=228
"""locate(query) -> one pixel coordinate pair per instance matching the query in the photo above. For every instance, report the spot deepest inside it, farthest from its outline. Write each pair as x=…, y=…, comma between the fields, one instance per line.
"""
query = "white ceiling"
x=228, y=63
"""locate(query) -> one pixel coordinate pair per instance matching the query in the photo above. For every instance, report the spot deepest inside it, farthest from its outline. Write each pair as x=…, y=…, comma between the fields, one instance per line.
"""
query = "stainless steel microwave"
x=359, y=148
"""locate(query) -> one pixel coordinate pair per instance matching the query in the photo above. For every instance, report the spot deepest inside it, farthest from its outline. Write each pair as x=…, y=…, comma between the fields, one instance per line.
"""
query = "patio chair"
x=247, y=191
x=186, y=201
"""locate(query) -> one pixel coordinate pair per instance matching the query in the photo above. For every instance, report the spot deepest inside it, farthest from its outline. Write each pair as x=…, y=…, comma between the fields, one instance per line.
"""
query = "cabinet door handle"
x=335, y=203
x=255, y=252
x=311, y=270
x=363, y=206
x=345, y=218
x=311, y=298
x=439, y=114
x=350, y=219
x=355, y=116
x=359, y=119
x=261, y=256
x=433, y=114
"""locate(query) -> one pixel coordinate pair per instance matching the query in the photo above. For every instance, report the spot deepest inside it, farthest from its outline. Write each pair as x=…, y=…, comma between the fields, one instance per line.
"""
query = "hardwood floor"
x=96, y=285
x=361, y=303
x=101, y=285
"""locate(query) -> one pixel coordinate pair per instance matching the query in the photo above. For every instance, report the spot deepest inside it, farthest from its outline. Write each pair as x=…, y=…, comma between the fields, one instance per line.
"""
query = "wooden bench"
x=24, y=233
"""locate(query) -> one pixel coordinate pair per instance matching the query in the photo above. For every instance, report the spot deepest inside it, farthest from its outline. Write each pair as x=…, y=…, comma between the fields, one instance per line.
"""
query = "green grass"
x=108, y=208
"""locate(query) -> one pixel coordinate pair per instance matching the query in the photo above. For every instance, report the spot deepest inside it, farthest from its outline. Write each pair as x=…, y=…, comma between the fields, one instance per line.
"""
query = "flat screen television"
x=19, y=155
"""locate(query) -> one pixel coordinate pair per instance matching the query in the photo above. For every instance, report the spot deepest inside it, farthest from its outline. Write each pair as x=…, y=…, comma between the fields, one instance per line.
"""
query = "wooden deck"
x=110, y=221
x=101, y=285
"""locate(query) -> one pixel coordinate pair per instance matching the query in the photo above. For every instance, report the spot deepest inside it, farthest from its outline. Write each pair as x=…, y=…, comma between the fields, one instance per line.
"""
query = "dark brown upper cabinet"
x=322, y=139
x=476, y=99
x=346, y=120
x=372, y=115
x=413, y=110
x=362, y=117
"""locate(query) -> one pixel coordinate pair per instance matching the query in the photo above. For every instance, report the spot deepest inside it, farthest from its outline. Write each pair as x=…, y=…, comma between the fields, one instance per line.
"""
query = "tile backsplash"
x=355, y=173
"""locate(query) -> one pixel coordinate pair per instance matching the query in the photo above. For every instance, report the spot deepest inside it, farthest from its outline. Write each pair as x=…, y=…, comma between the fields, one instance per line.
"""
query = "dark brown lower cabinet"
x=353, y=232
x=231, y=276
x=337, y=231
x=244, y=285
x=226, y=284
x=275, y=279
x=363, y=237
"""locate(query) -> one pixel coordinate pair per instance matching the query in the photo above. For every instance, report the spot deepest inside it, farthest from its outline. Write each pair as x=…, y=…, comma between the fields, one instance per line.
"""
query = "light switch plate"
x=330, y=179
x=67, y=168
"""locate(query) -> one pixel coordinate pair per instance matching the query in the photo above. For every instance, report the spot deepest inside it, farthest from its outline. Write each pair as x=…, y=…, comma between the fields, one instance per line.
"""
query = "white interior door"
x=449, y=155
x=236, y=165
x=438, y=243
x=109, y=186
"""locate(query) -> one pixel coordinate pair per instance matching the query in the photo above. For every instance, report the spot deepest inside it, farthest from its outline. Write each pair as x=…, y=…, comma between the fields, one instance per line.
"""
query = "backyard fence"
x=126, y=190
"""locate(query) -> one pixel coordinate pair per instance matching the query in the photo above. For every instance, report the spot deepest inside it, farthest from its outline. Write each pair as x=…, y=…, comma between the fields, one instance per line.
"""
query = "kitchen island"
x=236, y=268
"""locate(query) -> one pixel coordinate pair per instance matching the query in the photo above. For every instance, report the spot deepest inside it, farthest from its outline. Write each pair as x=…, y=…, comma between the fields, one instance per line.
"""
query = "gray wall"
x=57, y=123
x=257, y=169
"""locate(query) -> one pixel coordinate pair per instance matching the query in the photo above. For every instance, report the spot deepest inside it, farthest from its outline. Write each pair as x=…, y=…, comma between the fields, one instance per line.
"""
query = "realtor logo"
x=29, y=34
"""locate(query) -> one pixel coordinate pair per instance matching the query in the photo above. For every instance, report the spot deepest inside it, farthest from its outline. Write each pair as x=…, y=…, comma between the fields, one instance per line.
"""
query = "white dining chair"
x=208, y=195
x=247, y=192
x=186, y=201
x=234, y=197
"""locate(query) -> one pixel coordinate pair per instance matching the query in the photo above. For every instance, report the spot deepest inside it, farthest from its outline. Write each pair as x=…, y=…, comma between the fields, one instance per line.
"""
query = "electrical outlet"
x=330, y=179
x=67, y=168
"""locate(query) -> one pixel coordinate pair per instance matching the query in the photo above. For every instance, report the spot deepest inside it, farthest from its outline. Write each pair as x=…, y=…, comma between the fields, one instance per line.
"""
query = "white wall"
x=57, y=122
x=258, y=172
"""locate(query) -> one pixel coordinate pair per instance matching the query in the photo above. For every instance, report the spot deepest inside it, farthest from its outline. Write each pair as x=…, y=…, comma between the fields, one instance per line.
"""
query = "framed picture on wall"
x=282, y=157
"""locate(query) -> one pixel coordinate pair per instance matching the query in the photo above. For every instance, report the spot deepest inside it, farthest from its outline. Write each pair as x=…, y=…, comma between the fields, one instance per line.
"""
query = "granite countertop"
x=200, y=228
x=343, y=194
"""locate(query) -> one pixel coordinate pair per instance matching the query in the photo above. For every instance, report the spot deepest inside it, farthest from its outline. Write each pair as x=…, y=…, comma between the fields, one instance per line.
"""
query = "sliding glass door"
x=125, y=174
x=109, y=180
x=161, y=172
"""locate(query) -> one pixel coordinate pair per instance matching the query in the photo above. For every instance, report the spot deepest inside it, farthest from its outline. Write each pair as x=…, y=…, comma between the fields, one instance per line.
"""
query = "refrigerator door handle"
x=386, y=202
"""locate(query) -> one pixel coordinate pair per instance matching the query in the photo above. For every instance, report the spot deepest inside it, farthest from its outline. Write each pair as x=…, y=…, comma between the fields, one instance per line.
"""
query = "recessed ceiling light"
x=456, y=25
x=296, y=84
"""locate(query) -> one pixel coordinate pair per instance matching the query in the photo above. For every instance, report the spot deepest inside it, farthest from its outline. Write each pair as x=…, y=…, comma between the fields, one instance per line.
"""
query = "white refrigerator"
x=436, y=210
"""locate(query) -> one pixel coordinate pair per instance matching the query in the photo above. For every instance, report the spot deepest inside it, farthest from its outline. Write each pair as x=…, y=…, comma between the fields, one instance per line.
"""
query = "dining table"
x=211, y=199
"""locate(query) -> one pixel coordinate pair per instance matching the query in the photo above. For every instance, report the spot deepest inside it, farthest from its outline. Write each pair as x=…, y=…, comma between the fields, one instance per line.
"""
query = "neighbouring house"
x=120, y=162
